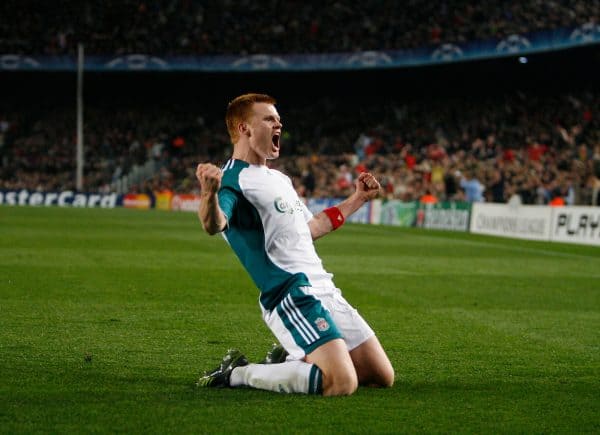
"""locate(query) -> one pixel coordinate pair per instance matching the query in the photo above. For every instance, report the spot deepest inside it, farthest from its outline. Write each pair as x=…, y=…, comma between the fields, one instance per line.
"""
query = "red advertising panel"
x=185, y=202
x=133, y=200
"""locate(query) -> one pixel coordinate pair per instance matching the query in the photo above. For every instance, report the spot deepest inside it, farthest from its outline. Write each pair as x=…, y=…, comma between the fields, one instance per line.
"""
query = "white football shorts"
x=308, y=317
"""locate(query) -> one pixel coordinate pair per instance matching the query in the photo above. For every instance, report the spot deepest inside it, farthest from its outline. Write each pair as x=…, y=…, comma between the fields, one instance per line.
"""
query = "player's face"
x=264, y=128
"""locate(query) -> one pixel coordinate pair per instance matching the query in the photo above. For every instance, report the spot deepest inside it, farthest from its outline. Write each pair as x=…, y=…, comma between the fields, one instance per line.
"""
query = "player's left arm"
x=367, y=188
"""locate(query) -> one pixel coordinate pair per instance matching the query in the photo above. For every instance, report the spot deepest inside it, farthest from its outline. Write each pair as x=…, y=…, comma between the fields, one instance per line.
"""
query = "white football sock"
x=287, y=377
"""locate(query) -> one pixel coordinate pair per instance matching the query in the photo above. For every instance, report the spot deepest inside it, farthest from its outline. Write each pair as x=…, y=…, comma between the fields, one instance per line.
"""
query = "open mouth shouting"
x=275, y=139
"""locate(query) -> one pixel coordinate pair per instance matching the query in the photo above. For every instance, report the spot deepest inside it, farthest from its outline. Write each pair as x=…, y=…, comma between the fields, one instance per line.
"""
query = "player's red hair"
x=239, y=109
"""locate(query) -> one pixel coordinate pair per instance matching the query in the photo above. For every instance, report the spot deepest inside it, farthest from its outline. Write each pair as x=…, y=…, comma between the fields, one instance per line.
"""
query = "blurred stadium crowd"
x=519, y=146
x=523, y=147
x=186, y=27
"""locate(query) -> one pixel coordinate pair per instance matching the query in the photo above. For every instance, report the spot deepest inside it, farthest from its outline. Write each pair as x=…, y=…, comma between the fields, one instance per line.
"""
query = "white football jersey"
x=267, y=227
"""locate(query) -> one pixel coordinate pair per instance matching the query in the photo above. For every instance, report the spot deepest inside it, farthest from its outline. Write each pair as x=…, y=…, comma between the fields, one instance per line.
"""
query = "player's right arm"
x=210, y=214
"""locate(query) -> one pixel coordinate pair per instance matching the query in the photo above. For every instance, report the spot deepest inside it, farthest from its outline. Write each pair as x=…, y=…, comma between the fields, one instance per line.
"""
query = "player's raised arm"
x=210, y=214
x=367, y=188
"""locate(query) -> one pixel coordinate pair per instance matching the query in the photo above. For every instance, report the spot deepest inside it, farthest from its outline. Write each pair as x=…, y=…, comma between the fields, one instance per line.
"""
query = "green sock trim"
x=315, y=380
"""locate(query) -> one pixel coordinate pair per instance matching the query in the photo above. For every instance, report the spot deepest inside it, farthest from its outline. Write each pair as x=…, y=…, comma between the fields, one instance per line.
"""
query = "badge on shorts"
x=322, y=324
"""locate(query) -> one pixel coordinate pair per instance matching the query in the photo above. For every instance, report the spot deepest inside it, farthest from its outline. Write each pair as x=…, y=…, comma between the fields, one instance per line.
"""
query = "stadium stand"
x=536, y=147
x=247, y=27
x=523, y=146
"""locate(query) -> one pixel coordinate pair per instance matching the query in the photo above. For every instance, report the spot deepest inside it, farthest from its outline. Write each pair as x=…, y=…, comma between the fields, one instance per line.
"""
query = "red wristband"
x=335, y=216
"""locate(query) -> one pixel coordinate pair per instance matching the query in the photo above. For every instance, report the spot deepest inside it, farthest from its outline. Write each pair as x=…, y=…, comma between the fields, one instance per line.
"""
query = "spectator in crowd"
x=496, y=190
x=472, y=186
x=428, y=198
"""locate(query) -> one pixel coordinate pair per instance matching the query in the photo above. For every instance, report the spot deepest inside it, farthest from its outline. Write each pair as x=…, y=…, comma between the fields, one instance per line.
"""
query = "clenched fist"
x=367, y=186
x=209, y=177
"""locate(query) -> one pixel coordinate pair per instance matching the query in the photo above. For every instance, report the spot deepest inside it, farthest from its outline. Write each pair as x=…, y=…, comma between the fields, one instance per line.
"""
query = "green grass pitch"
x=108, y=316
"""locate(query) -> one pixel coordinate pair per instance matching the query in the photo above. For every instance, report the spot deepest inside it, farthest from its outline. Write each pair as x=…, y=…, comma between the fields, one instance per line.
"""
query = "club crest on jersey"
x=322, y=324
x=282, y=206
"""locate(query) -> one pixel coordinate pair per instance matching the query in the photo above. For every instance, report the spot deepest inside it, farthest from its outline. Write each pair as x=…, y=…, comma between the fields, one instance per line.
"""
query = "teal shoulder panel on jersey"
x=231, y=174
x=230, y=190
x=246, y=236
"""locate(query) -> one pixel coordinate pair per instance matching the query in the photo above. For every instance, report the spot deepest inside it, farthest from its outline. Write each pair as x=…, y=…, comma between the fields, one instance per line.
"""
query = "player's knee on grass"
x=339, y=374
x=382, y=376
x=372, y=364
x=386, y=378
x=340, y=383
